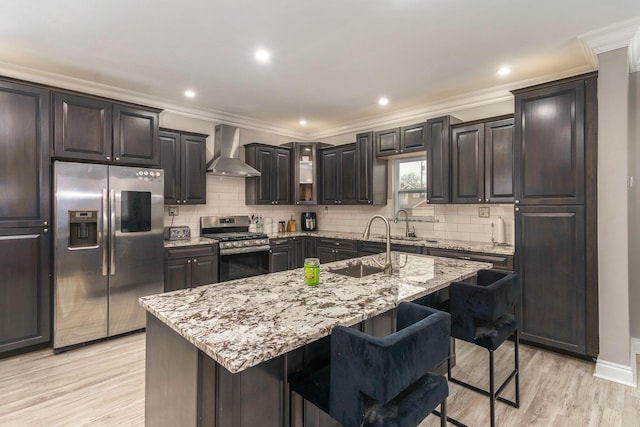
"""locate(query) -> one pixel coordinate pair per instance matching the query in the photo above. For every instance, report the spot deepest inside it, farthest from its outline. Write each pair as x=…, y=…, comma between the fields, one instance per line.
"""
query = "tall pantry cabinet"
x=25, y=245
x=555, y=213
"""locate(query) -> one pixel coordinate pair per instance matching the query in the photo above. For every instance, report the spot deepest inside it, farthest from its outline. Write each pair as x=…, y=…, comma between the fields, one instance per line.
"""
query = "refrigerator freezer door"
x=80, y=287
x=138, y=252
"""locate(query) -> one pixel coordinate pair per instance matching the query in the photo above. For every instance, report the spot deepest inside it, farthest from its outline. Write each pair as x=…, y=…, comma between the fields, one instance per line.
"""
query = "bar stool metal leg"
x=492, y=390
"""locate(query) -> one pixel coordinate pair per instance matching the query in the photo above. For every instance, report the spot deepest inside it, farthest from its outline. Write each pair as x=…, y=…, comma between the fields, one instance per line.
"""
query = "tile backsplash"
x=225, y=196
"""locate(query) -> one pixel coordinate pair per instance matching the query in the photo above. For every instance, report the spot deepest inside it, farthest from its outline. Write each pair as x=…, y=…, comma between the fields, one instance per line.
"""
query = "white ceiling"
x=331, y=59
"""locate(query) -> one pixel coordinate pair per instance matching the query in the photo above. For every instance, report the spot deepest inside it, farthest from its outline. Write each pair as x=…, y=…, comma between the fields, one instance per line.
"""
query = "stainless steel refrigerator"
x=108, y=248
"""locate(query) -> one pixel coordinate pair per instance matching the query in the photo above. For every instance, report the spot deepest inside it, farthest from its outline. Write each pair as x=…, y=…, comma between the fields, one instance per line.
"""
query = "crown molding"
x=437, y=108
x=612, y=37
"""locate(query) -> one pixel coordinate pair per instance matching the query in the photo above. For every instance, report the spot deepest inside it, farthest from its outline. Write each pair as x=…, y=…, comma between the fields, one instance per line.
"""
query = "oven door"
x=239, y=266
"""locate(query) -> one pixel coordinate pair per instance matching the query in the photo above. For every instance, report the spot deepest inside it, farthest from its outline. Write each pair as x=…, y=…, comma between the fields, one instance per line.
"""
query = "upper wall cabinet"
x=372, y=172
x=305, y=173
x=273, y=186
x=438, y=142
x=24, y=155
x=96, y=129
x=407, y=139
x=550, y=144
x=482, y=162
x=182, y=156
x=339, y=172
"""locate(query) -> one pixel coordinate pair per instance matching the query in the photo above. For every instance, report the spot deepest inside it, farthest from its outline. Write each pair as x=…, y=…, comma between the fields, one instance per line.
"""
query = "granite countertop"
x=191, y=242
x=245, y=322
x=459, y=245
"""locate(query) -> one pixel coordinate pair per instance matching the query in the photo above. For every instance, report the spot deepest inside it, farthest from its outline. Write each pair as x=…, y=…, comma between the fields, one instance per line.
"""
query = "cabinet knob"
x=517, y=209
x=427, y=200
x=277, y=202
x=369, y=201
x=517, y=201
x=46, y=230
x=178, y=201
x=117, y=159
x=188, y=261
x=108, y=157
x=486, y=200
x=297, y=203
x=195, y=260
x=273, y=203
x=480, y=200
x=184, y=201
x=46, y=223
x=336, y=202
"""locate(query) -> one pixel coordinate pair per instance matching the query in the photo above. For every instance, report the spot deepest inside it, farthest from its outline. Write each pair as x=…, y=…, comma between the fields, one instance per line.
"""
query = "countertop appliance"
x=242, y=253
x=108, y=251
x=308, y=221
x=180, y=232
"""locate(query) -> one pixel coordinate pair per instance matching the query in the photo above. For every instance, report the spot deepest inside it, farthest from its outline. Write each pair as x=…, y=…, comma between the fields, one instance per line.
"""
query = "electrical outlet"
x=326, y=209
x=173, y=211
x=483, y=212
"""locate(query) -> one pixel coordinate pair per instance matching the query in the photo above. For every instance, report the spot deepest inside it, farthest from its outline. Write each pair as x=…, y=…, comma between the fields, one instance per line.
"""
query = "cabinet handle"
x=337, y=244
x=468, y=258
x=517, y=201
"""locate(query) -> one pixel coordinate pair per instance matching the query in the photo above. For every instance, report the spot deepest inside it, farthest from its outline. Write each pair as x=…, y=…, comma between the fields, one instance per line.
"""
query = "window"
x=410, y=190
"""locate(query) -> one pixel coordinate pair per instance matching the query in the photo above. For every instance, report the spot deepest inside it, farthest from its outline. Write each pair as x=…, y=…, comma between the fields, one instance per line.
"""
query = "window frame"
x=396, y=182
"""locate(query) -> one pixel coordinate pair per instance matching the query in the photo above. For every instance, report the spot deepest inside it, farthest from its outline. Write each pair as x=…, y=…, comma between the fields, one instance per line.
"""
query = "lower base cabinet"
x=25, y=288
x=190, y=266
x=280, y=255
x=330, y=250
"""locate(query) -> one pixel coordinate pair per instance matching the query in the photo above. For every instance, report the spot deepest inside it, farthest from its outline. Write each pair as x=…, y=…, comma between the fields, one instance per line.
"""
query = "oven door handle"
x=252, y=250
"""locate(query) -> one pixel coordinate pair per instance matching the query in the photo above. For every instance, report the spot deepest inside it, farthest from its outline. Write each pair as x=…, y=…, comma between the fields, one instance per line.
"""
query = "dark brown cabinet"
x=407, y=139
x=556, y=213
x=366, y=247
x=96, y=129
x=551, y=266
x=330, y=250
x=371, y=172
x=273, y=186
x=190, y=266
x=482, y=162
x=25, y=306
x=24, y=152
x=339, y=172
x=305, y=171
x=182, y=156
x=280, y=255
x=438, y=143
x=350, y=174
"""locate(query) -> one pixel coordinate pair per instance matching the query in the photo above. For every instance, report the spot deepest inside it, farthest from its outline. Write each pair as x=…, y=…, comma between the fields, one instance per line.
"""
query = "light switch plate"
x=484, y=212
x=173, y=211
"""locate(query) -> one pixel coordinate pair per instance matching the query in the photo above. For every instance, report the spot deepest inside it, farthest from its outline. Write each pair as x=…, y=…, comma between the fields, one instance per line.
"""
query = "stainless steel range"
x=242, y=253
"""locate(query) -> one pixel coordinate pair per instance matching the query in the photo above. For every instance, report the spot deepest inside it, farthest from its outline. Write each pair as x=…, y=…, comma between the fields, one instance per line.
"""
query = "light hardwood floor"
x=103, y=385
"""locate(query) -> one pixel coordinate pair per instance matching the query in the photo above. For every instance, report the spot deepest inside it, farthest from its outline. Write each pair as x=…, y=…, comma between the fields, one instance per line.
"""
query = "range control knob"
x=237, y=244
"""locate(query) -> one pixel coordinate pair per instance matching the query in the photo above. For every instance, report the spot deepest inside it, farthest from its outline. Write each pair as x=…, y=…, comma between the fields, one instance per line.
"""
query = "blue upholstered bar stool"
x=385, y=381
x=482, y=314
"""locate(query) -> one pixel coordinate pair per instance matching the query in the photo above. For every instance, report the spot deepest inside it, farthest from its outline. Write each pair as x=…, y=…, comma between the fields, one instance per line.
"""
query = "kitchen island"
x=219, y=355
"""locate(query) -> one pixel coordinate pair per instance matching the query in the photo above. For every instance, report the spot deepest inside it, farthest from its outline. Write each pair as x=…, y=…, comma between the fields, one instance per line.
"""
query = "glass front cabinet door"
x=305, y=172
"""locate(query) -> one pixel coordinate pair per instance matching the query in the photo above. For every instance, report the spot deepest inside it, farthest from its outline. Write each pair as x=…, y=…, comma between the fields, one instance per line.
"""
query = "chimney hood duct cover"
x=225, y=161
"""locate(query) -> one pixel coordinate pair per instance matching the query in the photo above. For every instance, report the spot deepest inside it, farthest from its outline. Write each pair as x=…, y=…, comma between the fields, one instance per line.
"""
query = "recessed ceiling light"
x=504, y=71
x=189, y=93
x=262, y=55
x=383, y=101
x=303, y=122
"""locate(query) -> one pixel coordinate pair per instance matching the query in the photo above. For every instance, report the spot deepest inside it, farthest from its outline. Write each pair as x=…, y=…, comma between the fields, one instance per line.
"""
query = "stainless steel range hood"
x=225, y=161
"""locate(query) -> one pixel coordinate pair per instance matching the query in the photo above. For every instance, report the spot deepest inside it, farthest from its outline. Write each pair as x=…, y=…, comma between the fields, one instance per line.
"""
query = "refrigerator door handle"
x=105, y=229
x=112, y=234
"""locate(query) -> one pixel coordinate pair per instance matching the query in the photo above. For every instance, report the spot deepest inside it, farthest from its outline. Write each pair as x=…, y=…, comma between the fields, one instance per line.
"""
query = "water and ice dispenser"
x=83, y=228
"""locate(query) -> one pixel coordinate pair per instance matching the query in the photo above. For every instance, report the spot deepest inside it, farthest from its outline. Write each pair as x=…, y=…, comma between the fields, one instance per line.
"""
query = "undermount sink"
x=358, y=270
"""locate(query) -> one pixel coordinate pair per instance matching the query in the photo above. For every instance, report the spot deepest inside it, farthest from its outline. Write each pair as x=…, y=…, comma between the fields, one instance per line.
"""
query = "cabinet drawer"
x=190, y=251
x=280, y=242
x=500, y=262
x=349, y=245
x=366, y=247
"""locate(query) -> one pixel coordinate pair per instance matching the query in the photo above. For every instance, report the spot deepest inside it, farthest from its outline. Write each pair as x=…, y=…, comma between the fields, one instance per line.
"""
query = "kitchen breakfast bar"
x=219, y=355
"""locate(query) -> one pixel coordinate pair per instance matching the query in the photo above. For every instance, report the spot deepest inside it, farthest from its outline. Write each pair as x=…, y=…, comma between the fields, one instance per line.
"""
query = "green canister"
x=311, y=271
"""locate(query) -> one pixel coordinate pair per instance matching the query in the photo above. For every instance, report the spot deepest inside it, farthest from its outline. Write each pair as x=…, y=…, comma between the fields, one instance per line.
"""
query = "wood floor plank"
x=103, y=385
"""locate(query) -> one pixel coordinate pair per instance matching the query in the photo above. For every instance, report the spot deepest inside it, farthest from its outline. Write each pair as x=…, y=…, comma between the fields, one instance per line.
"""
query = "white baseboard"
x=620, y=373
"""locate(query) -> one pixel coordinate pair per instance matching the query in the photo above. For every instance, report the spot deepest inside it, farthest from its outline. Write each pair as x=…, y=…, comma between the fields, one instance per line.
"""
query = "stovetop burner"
x=233, y=234
x=226, y=237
